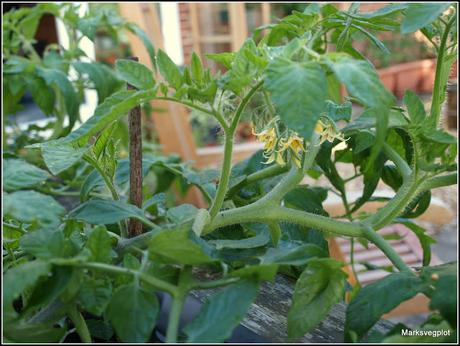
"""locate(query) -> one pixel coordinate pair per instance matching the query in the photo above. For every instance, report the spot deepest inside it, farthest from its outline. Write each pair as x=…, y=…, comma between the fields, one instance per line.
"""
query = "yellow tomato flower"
x=327, y=132
x=268, y=136
x=295, y=144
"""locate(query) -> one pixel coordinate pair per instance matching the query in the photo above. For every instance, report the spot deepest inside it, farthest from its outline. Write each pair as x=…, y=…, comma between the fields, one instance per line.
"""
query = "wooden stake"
x=135, y=163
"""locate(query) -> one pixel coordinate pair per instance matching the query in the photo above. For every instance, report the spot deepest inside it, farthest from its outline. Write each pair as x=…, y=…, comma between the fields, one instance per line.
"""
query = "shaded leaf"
x=19, y=174
x=222, y=313
x=133, y=312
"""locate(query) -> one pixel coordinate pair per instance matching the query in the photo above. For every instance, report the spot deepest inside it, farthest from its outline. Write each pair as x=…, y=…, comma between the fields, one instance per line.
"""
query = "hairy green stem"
x=155, y=282
x=228, y=151
x=439, y=181
x=401, y=165
x=80, y=324
x=395, y=206
x=264, y=212
x=265, y=173
x=215, y=283
x=386, y=248
x=191, y=105
x=184, y=285
x=242, y=106
x=224, y=176
x=174, y=318
x=108, y=182
x=438, y=88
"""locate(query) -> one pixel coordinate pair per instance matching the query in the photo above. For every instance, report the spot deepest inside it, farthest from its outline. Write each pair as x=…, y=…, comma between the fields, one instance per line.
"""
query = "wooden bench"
x=267, y=316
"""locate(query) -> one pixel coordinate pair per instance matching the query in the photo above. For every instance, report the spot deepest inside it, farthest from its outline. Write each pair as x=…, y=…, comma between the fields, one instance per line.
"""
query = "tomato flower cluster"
x=276, y=147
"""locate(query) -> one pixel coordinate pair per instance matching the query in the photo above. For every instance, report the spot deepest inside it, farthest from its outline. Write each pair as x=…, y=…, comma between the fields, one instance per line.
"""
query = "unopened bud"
x=435, y=276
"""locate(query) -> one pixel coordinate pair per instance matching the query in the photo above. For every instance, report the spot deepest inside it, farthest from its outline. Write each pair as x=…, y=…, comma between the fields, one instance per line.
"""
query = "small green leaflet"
x=169, y=70
x=134, y=73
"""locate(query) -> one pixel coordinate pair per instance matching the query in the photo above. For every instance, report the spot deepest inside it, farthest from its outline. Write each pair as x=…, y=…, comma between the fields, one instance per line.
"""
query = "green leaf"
x=371, y=176
x=307, y=199
x=31, y=206
x=202, y=219
x=43, y=95
x=21, y=277
x=21, y=332
x=444, y=280
x=110, y=110
x=134, y=73
x=103, y=78
x=88, y=25
x=319, y=287
x=59, y=79
x=59, y=155
x=292, y=253
x=146, y=41
x=49, y=288
x=94, y=295
x=260, y=272
x=378, y=298
x=19, y=174
x=338, y=112
x=225, y=58
x=361, y=81
x=44, y=243
x=100, y=245
x=103, y=212
x=196, y=69
x=100, y=329
x=419, y=15
x=392, y=177
x=62, y=153
x=169, y=70
x=133, y=312
x=261, y=238
x=180, y=246
x=415, y=107
x=297, y=233
x=439, y=136
x=299, y=91
x=424, y=239
x=182, y=213
x=222, y=313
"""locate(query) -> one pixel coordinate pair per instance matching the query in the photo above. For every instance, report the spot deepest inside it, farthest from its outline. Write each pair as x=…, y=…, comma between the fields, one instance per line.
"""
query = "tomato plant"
x=79, y=270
